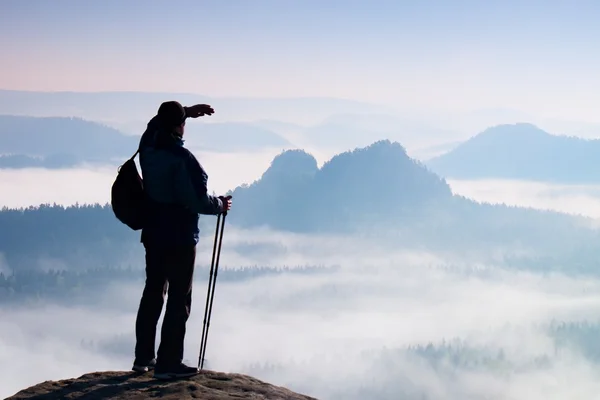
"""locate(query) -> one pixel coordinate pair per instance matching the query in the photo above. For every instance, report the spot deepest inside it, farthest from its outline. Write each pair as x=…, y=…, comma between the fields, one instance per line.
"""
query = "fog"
x=572, y=199
x=358, y=328
x=226, y=171
x=334, y=333
x=90, y=184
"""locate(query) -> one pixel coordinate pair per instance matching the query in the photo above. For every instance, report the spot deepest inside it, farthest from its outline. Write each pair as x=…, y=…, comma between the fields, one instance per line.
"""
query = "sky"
x=537, y=57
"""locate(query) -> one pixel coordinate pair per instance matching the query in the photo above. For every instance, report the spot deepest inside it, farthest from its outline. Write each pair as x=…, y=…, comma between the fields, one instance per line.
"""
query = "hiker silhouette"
x=175, y=186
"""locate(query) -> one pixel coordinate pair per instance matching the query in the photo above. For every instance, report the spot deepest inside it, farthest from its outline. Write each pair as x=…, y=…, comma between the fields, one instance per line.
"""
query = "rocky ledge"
x=208, y=385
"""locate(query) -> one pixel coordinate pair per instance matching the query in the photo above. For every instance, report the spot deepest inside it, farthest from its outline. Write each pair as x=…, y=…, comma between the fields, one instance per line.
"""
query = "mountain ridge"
x=377, y=191
x=62, y=142
x=294, y=184
x=77, y=138
x=126, y=105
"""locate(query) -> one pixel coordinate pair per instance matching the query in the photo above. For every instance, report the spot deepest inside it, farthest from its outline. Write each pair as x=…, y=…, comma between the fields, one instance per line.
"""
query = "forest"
x=62, y=286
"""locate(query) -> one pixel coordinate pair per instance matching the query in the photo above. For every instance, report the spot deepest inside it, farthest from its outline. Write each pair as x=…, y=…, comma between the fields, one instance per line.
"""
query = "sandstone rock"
x=129, y=385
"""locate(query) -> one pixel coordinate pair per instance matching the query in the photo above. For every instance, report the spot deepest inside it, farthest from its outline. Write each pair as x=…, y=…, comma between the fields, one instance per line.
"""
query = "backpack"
x=128, y=199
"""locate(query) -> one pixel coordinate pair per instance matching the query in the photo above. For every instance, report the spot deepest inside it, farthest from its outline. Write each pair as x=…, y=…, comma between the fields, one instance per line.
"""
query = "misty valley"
x=366, y=277
x=411, y=193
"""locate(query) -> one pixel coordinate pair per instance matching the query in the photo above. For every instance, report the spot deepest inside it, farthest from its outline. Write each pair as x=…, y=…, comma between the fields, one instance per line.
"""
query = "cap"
x=171, y=113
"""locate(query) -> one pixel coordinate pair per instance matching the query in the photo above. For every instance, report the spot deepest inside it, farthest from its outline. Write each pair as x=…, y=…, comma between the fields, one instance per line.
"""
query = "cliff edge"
x=128, y=385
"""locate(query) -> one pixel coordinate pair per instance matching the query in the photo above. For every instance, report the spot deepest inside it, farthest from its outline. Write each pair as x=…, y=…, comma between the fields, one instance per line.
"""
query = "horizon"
x=438, y=52
x=183, y=93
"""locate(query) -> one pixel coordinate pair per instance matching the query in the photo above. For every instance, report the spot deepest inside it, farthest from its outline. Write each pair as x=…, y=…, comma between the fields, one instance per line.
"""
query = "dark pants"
x=169, y=268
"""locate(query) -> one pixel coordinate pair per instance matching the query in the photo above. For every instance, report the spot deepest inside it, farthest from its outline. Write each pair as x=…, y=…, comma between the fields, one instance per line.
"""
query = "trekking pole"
x=212, y=264
x=211, y=294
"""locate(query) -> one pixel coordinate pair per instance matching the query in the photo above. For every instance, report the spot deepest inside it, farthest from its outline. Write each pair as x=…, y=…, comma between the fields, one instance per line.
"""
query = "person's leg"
x=150, y=308
x=179, y=302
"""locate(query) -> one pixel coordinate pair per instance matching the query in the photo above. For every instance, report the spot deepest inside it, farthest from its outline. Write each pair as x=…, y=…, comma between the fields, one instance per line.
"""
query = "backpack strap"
x=135, y=154
x=130, y=159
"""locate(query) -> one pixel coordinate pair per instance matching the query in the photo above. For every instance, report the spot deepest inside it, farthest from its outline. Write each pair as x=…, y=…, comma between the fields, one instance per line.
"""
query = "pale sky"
x=539, y=57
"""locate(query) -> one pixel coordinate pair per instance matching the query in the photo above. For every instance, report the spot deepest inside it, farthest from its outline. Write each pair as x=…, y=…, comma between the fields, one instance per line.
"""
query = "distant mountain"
x=62, y=142
x=232, y=137
x=330, y=124
x=522, y=151
x=71, y=139
x=278, y=126
x=343, y=131
x=54, y=161
x=428, y=152
x=134, y=106
x=376, y=191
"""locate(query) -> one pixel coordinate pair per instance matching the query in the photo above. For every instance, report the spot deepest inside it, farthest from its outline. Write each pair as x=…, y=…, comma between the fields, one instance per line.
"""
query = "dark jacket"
x=175, y=184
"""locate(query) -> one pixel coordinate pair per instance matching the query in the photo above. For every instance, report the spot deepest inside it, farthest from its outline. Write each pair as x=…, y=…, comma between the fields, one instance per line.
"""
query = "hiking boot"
x=144, y=365
x=175, y=371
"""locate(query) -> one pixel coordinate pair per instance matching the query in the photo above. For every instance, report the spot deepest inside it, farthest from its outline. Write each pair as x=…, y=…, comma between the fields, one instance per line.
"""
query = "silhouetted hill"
x=208, y=385
x=68, y=140
x=379, y=190
x=283, y=192
x=522, y=151
x=345, y=131
x=378, y=181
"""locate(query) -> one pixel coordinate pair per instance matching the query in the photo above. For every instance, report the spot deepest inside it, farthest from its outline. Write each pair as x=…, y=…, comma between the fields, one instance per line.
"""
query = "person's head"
x=172, y=117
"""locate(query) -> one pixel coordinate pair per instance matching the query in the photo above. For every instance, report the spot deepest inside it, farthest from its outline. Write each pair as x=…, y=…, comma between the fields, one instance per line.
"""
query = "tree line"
x=31, y=285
